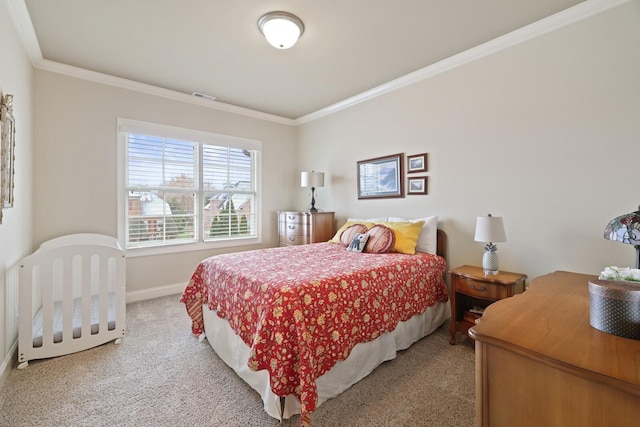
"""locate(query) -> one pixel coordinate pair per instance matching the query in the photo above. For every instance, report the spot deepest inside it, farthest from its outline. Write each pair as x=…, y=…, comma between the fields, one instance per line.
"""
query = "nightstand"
x=301, y=228
x=472, y=291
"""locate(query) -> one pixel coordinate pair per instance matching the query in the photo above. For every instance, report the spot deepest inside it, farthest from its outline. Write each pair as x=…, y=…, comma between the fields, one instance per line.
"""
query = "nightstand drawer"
x=479, y=289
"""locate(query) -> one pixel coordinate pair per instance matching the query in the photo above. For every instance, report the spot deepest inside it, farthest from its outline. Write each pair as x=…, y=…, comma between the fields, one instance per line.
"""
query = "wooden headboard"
x=442, y=243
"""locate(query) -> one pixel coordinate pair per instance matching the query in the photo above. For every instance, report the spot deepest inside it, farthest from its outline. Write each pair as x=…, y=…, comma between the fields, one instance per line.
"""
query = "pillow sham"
x=428, y=239
x=358, y=243
x=406, y=234
x=346, y=237
x=381, y=239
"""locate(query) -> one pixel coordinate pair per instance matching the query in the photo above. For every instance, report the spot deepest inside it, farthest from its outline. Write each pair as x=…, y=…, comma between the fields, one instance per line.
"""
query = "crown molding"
x=561, y=19
x=132, y=85
x=20, y=16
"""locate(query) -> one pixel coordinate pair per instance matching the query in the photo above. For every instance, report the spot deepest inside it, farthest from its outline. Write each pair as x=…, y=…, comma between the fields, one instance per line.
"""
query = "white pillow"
x=379, y=219
x=428, y=239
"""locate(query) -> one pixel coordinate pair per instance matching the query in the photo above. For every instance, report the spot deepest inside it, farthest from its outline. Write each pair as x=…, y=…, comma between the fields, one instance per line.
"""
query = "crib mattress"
x=58, y=319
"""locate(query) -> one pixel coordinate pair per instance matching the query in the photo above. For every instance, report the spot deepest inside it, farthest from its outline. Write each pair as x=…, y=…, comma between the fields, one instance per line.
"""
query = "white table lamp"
x=490, y=229
x=314, y=180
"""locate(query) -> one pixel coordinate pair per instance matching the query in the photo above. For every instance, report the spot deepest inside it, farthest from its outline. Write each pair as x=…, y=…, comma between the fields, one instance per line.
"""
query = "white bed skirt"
x=364, y=357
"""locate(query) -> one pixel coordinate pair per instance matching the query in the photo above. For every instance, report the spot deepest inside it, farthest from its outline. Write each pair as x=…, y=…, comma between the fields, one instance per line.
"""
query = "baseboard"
x=8, y=363
x=160, y=291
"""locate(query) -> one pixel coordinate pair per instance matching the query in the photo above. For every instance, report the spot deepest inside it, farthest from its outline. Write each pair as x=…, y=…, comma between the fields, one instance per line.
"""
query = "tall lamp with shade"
x=314, y=180
x=490, y=229
x=626, y=229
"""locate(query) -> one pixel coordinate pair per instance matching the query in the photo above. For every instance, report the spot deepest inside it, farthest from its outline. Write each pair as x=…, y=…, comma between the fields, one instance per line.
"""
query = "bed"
x=301, y=324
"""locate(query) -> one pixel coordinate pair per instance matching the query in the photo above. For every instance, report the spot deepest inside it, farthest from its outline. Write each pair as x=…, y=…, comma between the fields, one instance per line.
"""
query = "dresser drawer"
x=479, y=289
x=293, y=218
x=294, y=239
x=294, y=228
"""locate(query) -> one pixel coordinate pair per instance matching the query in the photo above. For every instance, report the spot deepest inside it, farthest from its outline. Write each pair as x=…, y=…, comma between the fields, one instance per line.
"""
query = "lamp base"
x=490, y=263
x=313, y=201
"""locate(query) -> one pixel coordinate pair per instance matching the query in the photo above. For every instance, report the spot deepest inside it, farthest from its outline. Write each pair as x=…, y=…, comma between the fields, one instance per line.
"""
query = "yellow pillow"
x=407, y=234
x=336, y=237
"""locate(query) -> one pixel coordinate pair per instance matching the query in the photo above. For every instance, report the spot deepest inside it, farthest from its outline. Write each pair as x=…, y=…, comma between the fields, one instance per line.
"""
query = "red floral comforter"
x=301, y=309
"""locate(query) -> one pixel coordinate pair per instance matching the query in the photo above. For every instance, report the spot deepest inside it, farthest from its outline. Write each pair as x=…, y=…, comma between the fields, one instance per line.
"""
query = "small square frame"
x=417, y=185
x=417, y=163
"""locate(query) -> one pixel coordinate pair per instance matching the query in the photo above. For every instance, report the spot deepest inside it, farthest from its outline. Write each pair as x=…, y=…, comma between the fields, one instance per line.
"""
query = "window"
x=182, y=187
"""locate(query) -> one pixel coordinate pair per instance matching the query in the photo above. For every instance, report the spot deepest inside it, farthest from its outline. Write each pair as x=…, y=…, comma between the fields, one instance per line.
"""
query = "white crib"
x=71, y=296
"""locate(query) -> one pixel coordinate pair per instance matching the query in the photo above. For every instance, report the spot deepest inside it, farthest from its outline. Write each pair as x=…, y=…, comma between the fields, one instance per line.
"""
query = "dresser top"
x=550, y=321
x=304, y=212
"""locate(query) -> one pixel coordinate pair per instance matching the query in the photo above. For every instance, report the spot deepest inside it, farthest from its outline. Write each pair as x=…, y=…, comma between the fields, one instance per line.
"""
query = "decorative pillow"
x=381, y=239
x=358, y=243
x=406, y=234
x=428, y=239
x=346, y=237
x=336, y=237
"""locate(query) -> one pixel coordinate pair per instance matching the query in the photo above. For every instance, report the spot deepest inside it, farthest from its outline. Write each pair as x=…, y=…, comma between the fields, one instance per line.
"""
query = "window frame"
x=127, y=126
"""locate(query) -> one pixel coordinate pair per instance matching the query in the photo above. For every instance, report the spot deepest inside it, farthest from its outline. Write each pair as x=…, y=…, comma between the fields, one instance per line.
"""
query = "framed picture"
x=417, y=163
x=417, y=185
x=381, y=177
x=8, y=150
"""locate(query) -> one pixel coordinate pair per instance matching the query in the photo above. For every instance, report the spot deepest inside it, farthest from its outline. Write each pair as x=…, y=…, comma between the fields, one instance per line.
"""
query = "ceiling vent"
x=203, y=96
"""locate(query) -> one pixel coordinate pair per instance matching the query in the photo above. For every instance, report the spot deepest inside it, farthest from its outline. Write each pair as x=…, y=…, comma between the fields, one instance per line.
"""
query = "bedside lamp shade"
x=490, y=229
x=626, y=229
x=314, y=180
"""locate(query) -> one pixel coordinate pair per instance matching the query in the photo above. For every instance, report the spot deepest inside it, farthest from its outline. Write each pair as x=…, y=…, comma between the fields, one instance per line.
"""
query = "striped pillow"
x=381, y=239
x=350, y=232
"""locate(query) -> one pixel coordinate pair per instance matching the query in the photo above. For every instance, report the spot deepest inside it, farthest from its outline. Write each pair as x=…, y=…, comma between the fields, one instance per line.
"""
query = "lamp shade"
x=281, y=29
x=490, y=229
x=625, y=228
x=312, y=179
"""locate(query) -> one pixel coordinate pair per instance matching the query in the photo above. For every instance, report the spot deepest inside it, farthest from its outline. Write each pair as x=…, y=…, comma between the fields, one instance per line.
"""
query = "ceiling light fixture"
x=281, y=29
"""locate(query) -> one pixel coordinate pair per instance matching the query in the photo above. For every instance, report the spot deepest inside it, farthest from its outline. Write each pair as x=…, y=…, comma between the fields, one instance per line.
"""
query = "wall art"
x=7, y=151
x=417, y=185
x=417, y=163
x=382, y=177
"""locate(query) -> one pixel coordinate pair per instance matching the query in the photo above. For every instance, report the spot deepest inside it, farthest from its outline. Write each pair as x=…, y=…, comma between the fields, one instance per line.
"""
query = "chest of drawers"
x=301, y=228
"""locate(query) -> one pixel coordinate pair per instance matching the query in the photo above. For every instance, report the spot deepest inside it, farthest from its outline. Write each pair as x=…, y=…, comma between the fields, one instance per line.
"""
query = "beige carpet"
x=160, y=375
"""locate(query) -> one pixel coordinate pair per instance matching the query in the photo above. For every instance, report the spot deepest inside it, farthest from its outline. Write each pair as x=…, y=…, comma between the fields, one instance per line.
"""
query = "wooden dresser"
x=540, y=363
x=301, y=228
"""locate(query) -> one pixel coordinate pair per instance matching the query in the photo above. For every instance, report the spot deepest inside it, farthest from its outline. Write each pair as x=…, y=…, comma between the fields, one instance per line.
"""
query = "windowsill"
x=189, y=247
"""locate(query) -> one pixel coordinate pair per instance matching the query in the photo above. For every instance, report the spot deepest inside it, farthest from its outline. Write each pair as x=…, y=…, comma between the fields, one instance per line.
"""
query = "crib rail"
x=71, y=296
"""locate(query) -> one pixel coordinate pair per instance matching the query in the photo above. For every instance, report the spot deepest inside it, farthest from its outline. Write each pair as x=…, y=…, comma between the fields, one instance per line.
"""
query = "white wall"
x=545, y=134
x=15, y=230
x=75, y=165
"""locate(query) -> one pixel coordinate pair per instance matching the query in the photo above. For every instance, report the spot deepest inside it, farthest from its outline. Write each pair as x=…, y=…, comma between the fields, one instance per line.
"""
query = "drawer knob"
x=291, y=217
x=291, y=227
x=478, y=288
x=292, y=238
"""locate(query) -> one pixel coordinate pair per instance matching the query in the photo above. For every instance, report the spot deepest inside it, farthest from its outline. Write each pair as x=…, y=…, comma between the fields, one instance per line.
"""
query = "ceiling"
x=214, y=46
